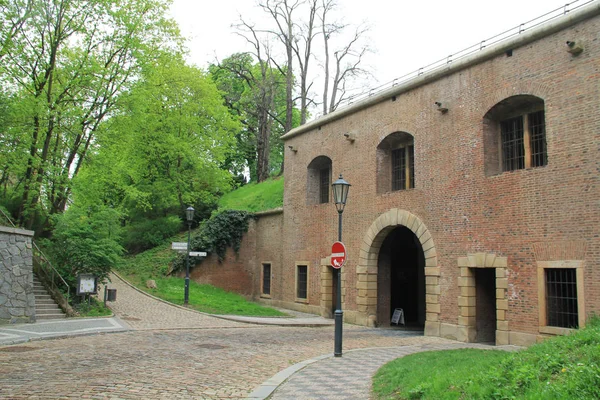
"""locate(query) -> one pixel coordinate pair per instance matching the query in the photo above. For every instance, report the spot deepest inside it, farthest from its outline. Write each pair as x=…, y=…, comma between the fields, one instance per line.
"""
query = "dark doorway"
x=485, y=311
x=401, y=279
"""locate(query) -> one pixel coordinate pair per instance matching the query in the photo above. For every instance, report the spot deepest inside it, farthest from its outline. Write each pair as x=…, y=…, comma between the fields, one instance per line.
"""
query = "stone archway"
x=366, y=270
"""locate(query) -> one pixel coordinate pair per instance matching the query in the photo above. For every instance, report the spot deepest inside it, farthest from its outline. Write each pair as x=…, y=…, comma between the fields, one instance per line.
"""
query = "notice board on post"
x=398, y=316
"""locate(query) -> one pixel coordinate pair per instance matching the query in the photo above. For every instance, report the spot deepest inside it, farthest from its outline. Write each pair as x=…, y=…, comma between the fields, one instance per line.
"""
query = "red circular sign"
x=338, y=255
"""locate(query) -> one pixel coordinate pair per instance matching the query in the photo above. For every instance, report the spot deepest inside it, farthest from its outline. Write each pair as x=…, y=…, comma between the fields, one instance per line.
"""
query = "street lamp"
x=340, y=190
x=189, y=216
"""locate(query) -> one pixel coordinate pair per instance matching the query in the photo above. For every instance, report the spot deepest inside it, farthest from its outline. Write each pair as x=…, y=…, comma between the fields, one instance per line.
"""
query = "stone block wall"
x=17, y=301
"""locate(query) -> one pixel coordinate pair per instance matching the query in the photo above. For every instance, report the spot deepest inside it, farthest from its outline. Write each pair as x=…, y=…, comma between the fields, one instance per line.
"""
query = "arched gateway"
x=380, y=272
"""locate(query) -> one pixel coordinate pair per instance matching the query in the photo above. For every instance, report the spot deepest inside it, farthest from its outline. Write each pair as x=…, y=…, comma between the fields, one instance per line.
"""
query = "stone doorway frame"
x=366, y=270
x=467, y=316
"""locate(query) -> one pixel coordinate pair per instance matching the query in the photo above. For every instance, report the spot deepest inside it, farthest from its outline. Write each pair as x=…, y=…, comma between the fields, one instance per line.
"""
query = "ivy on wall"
x=223, y=230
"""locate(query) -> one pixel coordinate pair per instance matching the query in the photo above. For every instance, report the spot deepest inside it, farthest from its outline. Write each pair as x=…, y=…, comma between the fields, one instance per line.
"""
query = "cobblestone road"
x=172, y=353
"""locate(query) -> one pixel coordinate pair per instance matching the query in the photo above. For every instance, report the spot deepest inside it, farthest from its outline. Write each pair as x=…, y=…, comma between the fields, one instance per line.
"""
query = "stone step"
x=42, y=297
x=49, y=316
x=44, y=302
x=46, y=307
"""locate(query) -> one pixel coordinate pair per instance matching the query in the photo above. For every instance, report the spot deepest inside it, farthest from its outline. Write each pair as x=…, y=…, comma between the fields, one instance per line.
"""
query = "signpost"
x=197, y=254
x=179, y=246
x=338, y=255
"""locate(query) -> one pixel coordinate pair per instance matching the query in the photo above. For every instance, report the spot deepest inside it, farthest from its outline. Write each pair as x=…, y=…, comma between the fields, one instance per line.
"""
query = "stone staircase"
x=45, y=306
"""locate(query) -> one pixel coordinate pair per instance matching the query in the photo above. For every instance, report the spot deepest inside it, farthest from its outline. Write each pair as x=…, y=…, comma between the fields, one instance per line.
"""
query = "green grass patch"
x=255, y=197
x=210, y=299
x=432, y=374
x=154, y=264
x=563, y=367
x=94, y=308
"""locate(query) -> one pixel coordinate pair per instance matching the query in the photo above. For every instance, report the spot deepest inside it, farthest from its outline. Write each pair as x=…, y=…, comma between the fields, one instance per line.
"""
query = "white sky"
x=405, y=35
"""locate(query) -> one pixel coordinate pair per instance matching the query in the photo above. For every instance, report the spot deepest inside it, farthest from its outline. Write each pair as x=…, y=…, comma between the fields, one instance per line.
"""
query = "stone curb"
x=59, y=336
x=235, y=318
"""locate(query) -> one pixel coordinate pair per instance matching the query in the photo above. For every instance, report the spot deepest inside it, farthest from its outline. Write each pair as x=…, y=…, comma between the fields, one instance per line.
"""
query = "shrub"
x=86, y=241
x=224, y=229
x=147, y=234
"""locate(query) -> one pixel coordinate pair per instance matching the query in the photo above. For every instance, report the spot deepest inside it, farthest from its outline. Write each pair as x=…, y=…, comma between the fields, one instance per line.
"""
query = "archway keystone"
x=367, y=268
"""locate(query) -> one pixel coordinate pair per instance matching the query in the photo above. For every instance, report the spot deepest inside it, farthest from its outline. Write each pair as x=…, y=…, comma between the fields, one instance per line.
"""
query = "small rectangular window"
x=399, y=169
x=301, y=281
x=324, y=178
x=561, y=298
x=266, y=283
x=513, y=152
x=537, y=129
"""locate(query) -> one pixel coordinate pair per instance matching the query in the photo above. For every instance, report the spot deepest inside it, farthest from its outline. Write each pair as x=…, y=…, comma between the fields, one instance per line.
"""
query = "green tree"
x=86, y=240
x=66, y=62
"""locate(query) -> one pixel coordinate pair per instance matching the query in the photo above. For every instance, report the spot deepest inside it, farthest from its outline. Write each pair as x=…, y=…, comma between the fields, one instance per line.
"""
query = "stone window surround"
x=467, y=317
x=541, y=267
x=262, y=279
x=298, y=299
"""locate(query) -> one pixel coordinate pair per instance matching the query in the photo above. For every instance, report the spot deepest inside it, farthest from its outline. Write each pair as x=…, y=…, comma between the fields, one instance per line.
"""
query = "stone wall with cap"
x=17, y=301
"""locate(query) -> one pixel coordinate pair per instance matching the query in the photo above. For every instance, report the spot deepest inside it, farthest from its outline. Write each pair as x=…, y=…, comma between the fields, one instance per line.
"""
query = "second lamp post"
x=340, y=190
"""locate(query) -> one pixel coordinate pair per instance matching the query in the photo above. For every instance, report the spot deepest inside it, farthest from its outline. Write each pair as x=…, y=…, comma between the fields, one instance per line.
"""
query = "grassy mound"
x=255, y=197
x=154, y=264
x=564, y=367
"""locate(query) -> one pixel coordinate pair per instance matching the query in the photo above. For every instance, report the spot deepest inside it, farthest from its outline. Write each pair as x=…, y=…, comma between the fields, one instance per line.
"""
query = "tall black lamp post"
x=340, y=195
x=189, y=216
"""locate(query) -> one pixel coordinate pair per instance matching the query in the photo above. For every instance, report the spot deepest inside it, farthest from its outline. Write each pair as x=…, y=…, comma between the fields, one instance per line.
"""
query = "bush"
x=147, y=234
x=86, y=241
x=224, y=229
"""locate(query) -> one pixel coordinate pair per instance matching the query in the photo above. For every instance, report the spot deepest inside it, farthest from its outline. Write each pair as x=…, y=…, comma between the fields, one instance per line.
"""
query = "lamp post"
x=340, y=190
x=189, y=216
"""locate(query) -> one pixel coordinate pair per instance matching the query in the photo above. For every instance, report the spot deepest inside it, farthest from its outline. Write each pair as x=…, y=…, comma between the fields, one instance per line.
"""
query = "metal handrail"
x=465, y=52
x=43, y=263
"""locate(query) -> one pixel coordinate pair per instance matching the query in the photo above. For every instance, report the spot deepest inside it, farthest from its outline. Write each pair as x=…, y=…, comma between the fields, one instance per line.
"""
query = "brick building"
x=475, y=195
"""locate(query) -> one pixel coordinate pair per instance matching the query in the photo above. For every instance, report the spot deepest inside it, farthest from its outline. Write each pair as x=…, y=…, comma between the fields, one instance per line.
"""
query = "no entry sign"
x=338, y=255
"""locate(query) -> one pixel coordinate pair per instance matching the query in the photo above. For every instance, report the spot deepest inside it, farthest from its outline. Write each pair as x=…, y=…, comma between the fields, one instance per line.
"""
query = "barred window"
x=561, y=298
x=523, y=140
x=318, y=184
x=266, y=283
x=514, y=135
x=301, y=281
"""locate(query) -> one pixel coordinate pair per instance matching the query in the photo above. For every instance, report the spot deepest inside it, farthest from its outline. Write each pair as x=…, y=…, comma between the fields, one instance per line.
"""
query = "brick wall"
x=465, y=210
x=241, y=272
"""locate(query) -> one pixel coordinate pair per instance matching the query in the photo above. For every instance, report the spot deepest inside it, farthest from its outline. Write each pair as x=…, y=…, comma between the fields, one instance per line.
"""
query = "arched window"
x=515, y=135
x=396, y=163
x=319, y=180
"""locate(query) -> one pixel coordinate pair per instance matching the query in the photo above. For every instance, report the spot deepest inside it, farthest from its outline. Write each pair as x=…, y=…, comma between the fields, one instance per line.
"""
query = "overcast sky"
x=405, y=35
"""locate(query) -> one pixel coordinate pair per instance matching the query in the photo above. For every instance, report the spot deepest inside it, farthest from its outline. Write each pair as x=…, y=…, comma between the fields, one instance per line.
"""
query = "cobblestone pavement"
x=349, y=377
x=173, y=353
x=191, y=364
x=142, y=312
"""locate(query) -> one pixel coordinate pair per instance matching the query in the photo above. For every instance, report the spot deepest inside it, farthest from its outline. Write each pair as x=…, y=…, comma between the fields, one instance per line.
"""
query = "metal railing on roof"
x=549, y=16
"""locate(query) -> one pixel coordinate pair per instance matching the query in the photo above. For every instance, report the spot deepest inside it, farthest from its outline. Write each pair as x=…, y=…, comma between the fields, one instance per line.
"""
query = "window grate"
x=324, y=178
x=411, y=166
x=561, y=297
x=513, y=156
x=266, y=279
x=302, y=281
x=537, y=128
x=399, y=169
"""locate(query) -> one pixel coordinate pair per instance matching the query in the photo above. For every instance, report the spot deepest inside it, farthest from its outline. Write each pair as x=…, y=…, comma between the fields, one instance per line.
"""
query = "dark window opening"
x=537, y=127
x=403, y=168
x=324, y=178
x=513, y=156
x=266, y=286
x=301, y=281
x=561, y=297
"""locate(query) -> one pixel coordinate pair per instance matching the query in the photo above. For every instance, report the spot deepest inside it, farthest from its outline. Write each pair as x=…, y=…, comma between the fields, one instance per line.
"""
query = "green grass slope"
x=255, y=197
x=563, y=367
